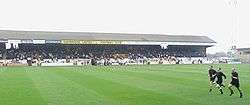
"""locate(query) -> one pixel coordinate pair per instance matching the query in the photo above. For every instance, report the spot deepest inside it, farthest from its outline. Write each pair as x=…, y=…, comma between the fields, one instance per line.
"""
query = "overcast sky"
x=217, y=19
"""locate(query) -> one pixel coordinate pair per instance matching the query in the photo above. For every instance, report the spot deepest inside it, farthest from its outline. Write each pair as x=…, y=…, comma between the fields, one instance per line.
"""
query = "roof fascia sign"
x=133, y=42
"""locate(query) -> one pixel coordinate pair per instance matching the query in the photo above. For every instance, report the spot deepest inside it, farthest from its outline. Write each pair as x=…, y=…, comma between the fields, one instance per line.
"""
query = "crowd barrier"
x=82, y=62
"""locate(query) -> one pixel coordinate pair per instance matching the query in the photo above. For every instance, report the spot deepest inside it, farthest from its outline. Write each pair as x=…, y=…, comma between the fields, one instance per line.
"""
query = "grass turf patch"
x=117, y=85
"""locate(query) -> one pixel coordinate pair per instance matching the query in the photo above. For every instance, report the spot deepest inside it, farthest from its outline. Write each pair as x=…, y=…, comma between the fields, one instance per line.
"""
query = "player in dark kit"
x=211, y=75
x=219, y=81
x=235, y=82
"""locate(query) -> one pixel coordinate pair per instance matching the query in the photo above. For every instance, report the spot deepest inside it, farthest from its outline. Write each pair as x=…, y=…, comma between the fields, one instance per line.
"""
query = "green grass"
x=117, y=85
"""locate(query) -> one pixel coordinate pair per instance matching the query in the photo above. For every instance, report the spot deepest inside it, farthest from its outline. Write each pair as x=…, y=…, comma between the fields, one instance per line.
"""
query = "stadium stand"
x=81, y=48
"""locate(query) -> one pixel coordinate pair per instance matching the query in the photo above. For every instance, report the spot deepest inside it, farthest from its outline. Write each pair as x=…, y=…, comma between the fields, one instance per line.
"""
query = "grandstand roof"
x=10, y=34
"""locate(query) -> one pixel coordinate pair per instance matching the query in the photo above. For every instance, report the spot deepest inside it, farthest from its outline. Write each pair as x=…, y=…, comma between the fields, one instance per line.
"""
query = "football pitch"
x=118, y=85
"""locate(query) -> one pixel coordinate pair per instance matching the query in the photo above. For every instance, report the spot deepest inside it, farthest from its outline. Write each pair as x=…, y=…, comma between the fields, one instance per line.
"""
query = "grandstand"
x=243, y=54
x=66, y=46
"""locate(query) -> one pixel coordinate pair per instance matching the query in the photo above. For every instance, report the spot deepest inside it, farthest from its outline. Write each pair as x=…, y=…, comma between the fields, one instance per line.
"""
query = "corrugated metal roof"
x=9, y=34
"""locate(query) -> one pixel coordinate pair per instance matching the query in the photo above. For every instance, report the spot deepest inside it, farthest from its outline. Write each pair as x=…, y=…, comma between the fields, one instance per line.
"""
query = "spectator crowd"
x=99, y=52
